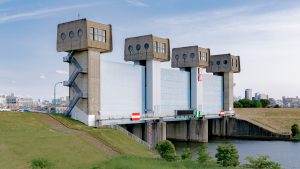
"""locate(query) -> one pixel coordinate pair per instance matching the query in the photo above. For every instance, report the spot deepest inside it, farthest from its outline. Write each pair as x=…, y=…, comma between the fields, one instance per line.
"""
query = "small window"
x=184, y=56
x=218, y=62
x=146, y=46
x=130, y=48
x=236, y=63
x=63, y=36
x=91, y=33
x=79, y=32
x=155, y=46
x=163, y=48
x=192, y=55
x=138, y=47
x=177, y=57
x=71, y=34
x=225, y=62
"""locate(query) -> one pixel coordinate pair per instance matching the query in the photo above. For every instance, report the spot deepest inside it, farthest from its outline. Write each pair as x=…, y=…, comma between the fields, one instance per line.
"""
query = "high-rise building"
x=248, y=94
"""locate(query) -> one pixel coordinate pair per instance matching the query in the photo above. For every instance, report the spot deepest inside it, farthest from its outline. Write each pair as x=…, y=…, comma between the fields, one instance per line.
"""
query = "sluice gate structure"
x=150, y=100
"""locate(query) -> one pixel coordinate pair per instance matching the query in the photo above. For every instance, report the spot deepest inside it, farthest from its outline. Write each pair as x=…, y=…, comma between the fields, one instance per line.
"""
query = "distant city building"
x=248, y=94
x=11, y=100
x=260, y=96
x=25, y=102
x=291, y=102
x=2, y=101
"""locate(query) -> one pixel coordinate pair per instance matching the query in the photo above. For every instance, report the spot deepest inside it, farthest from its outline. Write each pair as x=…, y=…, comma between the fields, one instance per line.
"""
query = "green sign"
x=197, y=114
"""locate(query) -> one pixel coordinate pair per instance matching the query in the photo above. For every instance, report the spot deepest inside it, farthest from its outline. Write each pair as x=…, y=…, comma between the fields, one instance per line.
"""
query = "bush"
x=203, y=155
x=256, y=104
x=186, y=154
x=40, y=163
x=295, y=129
x=246, y=103
x=262, y=162
x=227, y=155
x=265, y=103
x=166, y=150
x=237, y=104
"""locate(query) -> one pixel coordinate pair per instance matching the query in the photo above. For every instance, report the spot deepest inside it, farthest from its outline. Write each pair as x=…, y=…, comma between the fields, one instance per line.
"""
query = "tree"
x=245, y=102
x=237, y=104
x=203, y=155
x=166, y=150
x=265, y=103
x=276, y=106
x=227, y=155
x=40, y=163
x=295, y=130
x=186, y=154
x=262, y=162
x=256, y=104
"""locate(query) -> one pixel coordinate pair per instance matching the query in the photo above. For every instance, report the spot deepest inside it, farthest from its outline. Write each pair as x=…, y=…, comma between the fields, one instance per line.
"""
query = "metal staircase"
x=72, y=84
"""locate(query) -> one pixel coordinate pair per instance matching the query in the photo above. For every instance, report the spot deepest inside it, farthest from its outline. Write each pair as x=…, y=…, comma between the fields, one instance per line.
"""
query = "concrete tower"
x=193, y=59
x=225, y=65
x=149, y=51
x=84, y=41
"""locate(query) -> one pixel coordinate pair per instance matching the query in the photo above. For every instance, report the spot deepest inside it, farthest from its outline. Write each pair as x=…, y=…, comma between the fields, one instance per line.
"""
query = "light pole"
x=54, y=100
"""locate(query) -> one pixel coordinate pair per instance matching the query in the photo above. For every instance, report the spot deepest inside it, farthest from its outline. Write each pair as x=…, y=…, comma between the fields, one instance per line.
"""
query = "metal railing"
x=117, y=127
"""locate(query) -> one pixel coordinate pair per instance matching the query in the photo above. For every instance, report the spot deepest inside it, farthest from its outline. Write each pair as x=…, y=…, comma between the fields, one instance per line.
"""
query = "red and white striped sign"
x=200, y=74
x=222, y=113
x=136, y=116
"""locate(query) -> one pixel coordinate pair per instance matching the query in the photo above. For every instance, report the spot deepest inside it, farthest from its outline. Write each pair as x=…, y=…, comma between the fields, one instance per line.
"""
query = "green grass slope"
x=279, y=119
x=27, y=136
x=131, y=162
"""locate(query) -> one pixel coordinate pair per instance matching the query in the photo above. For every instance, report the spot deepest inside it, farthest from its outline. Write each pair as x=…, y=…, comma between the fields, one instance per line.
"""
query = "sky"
x=265, y=34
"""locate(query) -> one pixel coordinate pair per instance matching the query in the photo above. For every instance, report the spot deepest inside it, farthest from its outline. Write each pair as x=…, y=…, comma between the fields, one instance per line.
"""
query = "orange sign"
x=136, y=116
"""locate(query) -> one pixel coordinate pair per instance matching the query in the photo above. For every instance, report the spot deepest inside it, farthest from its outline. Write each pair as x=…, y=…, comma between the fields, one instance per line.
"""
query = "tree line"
x=246, y=103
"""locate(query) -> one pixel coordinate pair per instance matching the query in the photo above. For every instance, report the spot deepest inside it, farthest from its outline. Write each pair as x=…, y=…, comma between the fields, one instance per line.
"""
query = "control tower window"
x=97, y=34
x=159, y=47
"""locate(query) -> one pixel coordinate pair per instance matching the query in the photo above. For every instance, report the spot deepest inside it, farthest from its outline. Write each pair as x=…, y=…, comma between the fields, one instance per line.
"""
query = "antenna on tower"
x=78, y=15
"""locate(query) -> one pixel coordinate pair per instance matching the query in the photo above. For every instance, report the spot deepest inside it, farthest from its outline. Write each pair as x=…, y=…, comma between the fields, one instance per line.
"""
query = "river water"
x=284, y=152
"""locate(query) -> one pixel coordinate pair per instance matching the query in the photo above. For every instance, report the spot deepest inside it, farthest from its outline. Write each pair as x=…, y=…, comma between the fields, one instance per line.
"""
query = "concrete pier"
x=190, y=130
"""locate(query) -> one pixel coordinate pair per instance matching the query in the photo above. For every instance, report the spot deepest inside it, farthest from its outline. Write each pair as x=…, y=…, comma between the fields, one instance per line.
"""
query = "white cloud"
x=38, y=13
x=42, y=77
x=62, y=72
x=266, y=40
x=137, y=3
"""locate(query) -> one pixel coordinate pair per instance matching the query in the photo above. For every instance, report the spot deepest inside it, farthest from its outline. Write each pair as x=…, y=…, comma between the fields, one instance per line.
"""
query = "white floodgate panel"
x=213, y=94
x=122, y=90
x=175, y=91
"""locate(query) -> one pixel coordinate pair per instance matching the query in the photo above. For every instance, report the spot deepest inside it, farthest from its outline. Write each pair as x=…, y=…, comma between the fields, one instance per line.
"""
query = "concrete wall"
x=122, y=90
x=232, y=127
x=190, y=130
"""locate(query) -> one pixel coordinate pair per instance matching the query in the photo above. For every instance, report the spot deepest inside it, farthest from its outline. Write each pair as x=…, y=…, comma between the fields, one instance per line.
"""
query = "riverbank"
x=278, y=119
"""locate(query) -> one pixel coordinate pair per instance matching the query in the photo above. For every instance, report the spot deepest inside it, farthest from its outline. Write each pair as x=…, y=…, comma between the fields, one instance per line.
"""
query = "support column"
x=137, y=130
x=155, y=132
x=153, y=86
x=196, y=89
x=228, y=91
x=88, y=107
x=198, y=131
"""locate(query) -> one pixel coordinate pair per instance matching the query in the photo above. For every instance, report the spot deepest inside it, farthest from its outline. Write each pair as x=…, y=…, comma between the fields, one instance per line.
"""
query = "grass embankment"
x=27, y=136
x=115, y=139
x=279, y=119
